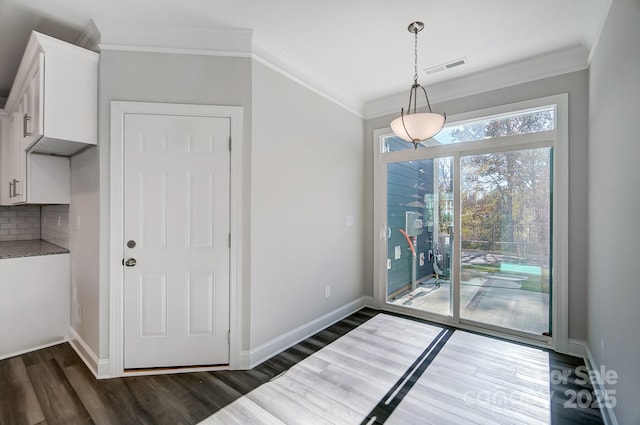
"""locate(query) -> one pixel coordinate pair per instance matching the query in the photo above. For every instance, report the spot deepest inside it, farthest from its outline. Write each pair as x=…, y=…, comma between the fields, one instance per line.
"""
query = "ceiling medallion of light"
x=414, y=126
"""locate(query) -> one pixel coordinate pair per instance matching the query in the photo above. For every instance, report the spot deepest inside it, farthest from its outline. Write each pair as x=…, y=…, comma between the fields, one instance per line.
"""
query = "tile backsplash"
x=55, y=224
x=21, y=222
x=26, y=222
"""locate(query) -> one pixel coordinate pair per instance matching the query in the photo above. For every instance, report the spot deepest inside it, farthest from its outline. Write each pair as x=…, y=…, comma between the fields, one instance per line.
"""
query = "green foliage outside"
x=506, y=196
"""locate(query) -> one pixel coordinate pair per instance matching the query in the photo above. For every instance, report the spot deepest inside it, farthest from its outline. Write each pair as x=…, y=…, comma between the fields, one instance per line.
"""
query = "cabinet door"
x=4, y=161
x=18, y=165
x=32, y=105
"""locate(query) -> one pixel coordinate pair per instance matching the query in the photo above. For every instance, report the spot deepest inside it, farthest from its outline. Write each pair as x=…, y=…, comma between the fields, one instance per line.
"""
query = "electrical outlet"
x=327, y=291
x=349, y=220
x=421, y=259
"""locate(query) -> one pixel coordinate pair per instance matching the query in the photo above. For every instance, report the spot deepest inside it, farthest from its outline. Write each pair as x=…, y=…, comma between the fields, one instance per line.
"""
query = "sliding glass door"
x=505, y=254
x=467, y=223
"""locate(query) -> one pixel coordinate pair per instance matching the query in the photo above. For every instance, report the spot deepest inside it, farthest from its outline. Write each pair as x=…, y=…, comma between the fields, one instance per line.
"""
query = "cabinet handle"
x=15, y=187
x=10, y=189
x=25, y=130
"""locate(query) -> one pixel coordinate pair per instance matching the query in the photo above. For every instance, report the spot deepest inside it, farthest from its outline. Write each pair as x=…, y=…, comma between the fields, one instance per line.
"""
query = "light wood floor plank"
x=332, y=410
x=245, y=411
x=282, y=405
x=419, y=412
x=491, y=394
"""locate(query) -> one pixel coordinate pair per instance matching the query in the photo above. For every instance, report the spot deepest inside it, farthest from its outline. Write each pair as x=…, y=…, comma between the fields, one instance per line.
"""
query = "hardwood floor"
x=53, y=386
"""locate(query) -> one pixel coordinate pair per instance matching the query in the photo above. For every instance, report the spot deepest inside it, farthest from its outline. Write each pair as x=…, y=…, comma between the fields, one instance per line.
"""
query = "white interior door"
x=176, y=237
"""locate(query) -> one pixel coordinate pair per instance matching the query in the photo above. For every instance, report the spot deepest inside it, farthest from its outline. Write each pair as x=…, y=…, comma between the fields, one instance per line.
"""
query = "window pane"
x=506, y=239
x=521, y=122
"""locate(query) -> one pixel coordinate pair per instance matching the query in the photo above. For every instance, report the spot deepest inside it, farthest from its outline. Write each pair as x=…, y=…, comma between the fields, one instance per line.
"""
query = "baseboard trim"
x=244, y=362
x=608, y=415
x=577, y=348
x=100, y=368
x=277, y=345
x=39, y=347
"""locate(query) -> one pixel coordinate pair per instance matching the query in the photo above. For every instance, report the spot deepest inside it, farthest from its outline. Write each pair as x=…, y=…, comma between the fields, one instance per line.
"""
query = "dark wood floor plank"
x=58, y=401
x=64, y=355
x=136, y=403
x=18, y=401
x=193, y=395
x=91, y=394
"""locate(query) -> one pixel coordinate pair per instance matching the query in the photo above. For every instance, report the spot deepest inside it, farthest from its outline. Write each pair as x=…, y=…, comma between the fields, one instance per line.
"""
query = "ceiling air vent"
x=445, y=66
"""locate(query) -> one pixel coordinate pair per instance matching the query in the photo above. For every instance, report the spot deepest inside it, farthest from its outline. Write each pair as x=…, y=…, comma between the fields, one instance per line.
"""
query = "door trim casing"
x=119, y=109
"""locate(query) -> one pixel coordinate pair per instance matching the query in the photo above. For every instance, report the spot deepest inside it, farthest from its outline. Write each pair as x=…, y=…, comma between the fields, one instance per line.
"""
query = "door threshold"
x=171, y=370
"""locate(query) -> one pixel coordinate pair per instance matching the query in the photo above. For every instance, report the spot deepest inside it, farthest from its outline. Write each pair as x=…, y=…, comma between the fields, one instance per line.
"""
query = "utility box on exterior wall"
x=413, y=224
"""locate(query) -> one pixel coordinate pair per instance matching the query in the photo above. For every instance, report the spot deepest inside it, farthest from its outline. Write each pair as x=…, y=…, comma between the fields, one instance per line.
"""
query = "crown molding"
x=603, y=21
x=225, y=42
x=282, y=62
x=547, y=65
x=90, y=37
x=174, y=39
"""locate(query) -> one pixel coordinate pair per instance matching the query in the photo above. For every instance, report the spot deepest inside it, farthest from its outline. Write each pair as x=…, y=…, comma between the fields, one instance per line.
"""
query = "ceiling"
x=362, y=47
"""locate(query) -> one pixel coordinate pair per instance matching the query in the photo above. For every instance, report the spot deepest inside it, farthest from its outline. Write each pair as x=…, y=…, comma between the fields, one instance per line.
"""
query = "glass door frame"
x=557, y=139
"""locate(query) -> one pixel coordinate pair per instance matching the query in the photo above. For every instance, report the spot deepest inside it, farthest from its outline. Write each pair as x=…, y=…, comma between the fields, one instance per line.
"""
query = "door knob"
x=130, y=262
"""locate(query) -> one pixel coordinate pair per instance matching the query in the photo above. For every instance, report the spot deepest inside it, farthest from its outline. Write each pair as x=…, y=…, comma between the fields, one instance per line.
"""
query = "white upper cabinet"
x=51, y=113
x=56, y=92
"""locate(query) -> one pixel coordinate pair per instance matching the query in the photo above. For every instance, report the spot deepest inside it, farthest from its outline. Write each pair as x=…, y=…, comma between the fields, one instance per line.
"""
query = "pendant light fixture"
x=414, y=126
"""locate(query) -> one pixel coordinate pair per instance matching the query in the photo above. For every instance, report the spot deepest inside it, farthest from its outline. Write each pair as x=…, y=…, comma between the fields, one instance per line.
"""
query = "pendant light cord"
x=415, y=56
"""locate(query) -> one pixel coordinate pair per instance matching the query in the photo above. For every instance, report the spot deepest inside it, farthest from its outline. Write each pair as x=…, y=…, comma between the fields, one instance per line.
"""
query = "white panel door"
x=176, y=212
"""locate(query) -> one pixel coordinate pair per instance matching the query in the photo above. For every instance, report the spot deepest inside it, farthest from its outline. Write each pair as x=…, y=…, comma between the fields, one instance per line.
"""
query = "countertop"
x=32, y=248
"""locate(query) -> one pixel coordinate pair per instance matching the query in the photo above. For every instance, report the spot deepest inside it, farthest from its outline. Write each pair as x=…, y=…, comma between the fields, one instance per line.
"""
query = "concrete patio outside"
x=493, y=299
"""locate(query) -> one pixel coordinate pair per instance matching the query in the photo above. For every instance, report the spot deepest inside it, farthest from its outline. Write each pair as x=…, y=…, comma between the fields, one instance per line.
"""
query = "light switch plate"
x=398, y=252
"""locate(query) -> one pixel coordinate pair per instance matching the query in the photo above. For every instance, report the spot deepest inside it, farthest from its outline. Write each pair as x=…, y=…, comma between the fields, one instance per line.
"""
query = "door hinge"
x=229, y=143
x=229, y=240
x=229, y=337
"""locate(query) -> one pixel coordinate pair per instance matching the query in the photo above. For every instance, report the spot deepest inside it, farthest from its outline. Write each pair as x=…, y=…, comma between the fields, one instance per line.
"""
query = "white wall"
x=614, y=205
x=144, y=77
x=576, y=84
x=306, y=178
x=84, y=247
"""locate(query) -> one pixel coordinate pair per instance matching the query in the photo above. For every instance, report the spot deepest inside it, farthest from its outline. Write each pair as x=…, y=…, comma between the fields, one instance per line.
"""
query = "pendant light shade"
x=414, y=126
x=417, y=126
